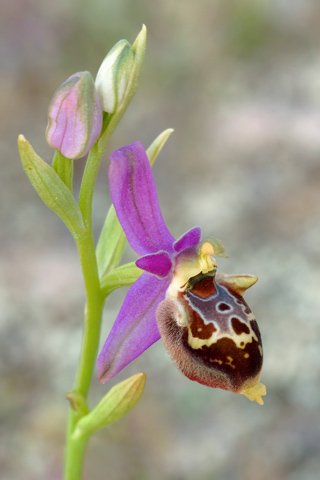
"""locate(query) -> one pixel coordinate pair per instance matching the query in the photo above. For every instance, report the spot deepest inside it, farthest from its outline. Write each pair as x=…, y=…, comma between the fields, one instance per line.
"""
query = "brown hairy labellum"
x=212, y=335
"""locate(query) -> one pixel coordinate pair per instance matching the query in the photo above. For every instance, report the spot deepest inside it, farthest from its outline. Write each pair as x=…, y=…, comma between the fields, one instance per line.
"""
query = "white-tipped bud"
x=113, y=75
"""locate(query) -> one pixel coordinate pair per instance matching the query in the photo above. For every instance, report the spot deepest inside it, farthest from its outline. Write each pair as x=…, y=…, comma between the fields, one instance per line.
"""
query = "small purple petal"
x=189, y=239
x=158, y=264
x=135, y=328
x=134, y=196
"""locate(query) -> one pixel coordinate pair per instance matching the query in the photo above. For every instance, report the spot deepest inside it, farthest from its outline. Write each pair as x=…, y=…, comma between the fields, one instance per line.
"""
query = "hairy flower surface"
x=207, y=327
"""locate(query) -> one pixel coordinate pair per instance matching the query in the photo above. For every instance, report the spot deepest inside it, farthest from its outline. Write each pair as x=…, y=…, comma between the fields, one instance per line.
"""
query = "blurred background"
x=239, y=81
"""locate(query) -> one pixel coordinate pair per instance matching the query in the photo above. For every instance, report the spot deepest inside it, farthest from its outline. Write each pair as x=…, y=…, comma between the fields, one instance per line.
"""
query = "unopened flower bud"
x=113, y=406
x=75, y=116
x=113, y=75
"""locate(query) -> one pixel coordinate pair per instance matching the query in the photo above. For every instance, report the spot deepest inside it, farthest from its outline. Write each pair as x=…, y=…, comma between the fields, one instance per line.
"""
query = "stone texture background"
x=239, y=81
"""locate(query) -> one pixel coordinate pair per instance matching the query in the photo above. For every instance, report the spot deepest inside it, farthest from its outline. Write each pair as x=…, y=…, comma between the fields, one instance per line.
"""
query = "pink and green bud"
x=114, y=74
x=75, y=116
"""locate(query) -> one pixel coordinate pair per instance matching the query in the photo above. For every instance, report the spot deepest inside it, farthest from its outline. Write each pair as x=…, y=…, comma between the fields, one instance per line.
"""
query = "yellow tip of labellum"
x=255, y=392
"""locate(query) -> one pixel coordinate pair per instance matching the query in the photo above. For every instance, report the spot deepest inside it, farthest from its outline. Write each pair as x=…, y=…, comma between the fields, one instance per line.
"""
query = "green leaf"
x=112, y=239
x=49, y=186
x=63, y=166
x=158, y=144
x=114, y=405
x=139, y=48
x=123, y=276
x=111, y=243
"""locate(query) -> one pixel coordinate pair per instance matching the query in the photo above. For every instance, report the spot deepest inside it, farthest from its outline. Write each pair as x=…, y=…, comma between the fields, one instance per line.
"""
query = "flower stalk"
x=92, y=323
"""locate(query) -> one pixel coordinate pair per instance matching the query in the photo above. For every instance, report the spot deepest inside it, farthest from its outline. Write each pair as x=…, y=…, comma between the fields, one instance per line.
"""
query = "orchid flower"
x=207, y=327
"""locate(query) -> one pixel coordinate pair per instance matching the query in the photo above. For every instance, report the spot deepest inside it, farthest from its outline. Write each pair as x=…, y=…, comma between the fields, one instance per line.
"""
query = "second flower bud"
x=114, y=74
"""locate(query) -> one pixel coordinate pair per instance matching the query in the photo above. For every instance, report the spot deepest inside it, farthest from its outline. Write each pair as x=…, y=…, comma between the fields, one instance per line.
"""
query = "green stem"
x=92, y=322
x=75, y=448
x=92, y=314
x=74, y=454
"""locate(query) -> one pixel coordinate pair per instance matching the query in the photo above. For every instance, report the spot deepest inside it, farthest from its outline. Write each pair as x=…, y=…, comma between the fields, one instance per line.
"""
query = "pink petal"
x=189, y=239
x=134, y=196
x=135, y=328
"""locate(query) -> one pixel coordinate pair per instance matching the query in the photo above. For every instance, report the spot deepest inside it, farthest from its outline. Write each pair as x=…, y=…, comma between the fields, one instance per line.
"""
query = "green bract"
x=49, y=186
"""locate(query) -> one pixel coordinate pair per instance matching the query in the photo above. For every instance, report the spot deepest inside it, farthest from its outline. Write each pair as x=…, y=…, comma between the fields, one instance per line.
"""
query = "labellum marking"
x=219, y=344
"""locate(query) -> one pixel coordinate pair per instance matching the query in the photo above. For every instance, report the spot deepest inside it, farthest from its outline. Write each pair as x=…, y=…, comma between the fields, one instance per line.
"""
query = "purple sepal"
x=135, y=328
x=134, y=196
x=189, y=239
x=158, y=264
